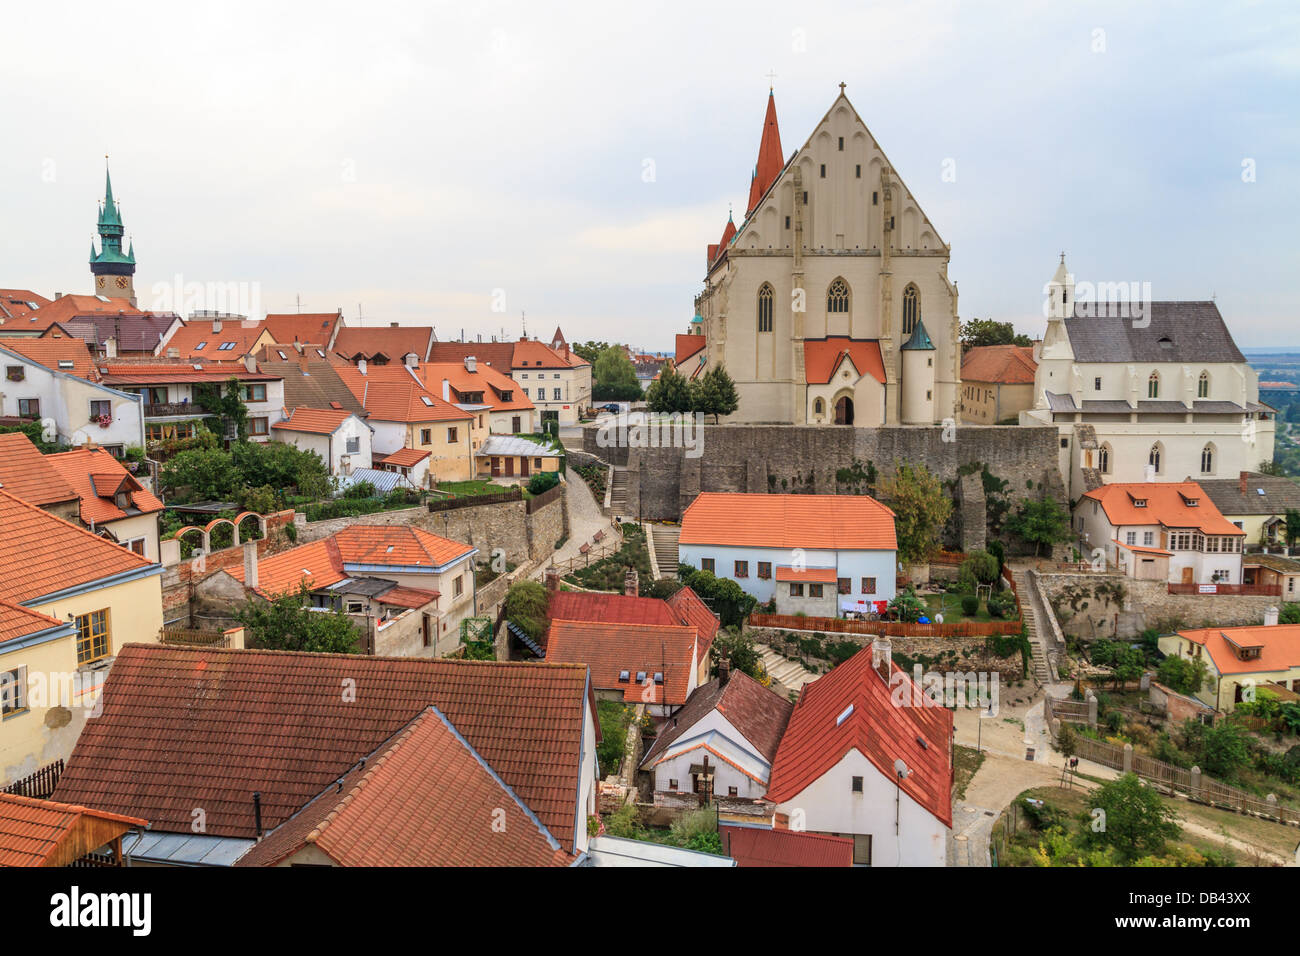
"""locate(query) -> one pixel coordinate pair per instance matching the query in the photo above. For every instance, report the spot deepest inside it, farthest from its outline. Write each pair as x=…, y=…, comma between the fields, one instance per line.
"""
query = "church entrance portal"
x=844, y=411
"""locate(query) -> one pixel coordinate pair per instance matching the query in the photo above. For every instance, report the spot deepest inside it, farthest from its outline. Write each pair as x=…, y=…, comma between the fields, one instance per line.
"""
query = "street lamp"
x=979, y=737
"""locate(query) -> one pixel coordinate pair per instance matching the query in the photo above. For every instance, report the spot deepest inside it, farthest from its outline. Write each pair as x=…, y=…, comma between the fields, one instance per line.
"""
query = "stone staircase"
x=665, y=549
x=790, y=674
x=618, y=493
x=1028, y=607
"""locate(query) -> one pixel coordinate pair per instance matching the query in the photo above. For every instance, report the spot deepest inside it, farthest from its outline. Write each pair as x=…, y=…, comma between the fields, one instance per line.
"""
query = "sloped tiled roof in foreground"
x=36, y=832
x=185, y=728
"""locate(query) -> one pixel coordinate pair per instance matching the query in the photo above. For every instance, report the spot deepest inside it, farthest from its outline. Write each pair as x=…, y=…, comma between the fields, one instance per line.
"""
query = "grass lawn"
x=968, y=762
x=477, y=487
x=950, y=606
x=607, y=574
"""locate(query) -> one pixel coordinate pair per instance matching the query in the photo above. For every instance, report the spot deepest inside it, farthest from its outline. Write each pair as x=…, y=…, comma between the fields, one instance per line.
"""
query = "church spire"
x=770, y=158
x=113, y=269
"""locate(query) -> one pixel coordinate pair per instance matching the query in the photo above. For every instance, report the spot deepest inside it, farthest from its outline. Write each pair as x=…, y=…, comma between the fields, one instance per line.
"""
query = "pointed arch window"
x=1203, y=385
x=837, y=297
x=1207, y=459
x=1153, y=459
x=819, y=407
x=1153, y=385
x=911, y=309
x=765, y=297
x=1103, y=460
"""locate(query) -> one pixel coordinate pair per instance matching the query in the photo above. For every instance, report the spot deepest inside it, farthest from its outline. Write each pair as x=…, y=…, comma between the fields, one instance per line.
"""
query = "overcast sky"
x=432, y=164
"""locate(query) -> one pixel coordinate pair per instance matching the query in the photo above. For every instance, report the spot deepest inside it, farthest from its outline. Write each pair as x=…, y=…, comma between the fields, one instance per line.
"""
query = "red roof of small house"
x=852, y=708
x=610, y=648
x=391, y=393
x=811, y=575
x=25, y=472
x=189, y=727
x=687, y=345
x=833, y=522
x=308, y=328
x=407, y=597
x=409, y=806
x=41, y=554
x=999, y=365
x=691, y=609
x=611, y=608
x=758, y=713
x=16, y=302
x=530, y=354
x=1168, y=503
x=770, y=159
x=16, y=621
x=1279, y=646
x=62, y=354
x=497, y=355
x=493, y=385
x=759, y=846
x=97, y=477
x=314, y=421
x=821, y=357
x=66, y=308
x=403, y=457
x=196, y=341
x=45, y=833
x=393, y=342
x=177, y=372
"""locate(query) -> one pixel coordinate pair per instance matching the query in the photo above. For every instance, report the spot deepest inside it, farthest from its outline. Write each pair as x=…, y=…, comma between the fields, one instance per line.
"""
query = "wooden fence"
x=1067, y=711
x=469, y=501
x=545, y=498
x=38, y=785
x=836, y=625
x=1174, y=779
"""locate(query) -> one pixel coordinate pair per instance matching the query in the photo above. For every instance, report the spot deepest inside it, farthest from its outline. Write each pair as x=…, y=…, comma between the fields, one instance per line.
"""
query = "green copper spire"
x=920, y=339
x=109, y=216
x=110, y=260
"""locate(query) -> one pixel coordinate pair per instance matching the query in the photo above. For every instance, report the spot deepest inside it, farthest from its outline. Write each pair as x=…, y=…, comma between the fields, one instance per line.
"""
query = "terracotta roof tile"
x=484, y=379
x=819, y=735
x=691, y=609
x=1000, y=364
x=758, y=713
x=65, y=308
x=1166, y=505
x=391, y=393
x=18, y=621
x=407, y=597
x=317, y=421
x=403, y=457
x=822, y=357
x=392, y=342
x=814, y=575
x=836, y=522
x=611, y=608
x=427, y=799
x=1279, y=646
x=610, y=648
x=41, y=832
x=316, y=328
x=62, y=354
x=41, y=554
x=687, y=345
x=96, y=476
x=184, y=728
x=757, y=846
x=25, y=472
x=196, y=341
x=16, y=302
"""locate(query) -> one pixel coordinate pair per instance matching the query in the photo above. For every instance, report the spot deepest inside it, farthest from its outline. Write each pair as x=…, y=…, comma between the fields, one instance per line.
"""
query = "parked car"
x=612, y=407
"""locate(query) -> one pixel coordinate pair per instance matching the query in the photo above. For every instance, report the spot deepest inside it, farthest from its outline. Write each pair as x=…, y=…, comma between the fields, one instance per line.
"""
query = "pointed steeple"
x=113, y=270
x=728, y=232
x=770, y=158
x=108, y=215
x=920, y=340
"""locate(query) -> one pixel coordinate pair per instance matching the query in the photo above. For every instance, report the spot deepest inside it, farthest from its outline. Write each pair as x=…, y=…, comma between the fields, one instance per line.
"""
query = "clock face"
x=121, y=282
x=100, y=282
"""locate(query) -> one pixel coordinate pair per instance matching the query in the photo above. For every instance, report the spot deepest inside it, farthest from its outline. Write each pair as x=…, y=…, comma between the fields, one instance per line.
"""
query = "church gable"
x=840, y=169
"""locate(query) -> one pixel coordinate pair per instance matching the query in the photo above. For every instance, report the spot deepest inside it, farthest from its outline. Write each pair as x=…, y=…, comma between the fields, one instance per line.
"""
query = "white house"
x=723, y=741
x=854, y=763
x=338, y=437
x=817, y=554
x=72, y=409
x=1161, y=531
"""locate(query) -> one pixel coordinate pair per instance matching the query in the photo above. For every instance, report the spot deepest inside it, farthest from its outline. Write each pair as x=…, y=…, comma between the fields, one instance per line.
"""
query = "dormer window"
x=659, y=677
x=1139, y=502
x=640, y=677
x=624, y=676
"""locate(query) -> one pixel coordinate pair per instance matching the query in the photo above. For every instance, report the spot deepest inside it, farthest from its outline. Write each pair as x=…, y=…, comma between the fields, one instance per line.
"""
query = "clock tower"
x=113, y=270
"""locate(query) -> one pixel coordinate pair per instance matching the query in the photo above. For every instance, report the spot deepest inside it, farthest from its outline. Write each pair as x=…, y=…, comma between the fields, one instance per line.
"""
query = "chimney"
x=552, y=579
x=392, y=325
x=446, y=390
x=58, y=295
x=110, y=348
x=257, y=813
x=173, y=352
x=361, y=366
x=724, y=670
x=471, y=363
x=630, y=584
x=250, y=564
x=1270, y=616
x=1245, y=476
x=250, y=362
x=297, y=346
x=216, y=325
x=881, y=655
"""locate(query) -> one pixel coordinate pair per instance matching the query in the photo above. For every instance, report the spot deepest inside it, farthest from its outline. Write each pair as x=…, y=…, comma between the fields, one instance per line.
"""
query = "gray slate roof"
x=1279, y=494
x=1195, y=332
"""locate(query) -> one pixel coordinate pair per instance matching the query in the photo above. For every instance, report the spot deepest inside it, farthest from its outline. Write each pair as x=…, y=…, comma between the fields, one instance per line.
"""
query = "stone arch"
x=180, y=533
x=843, y=406
x=216, y=523
x=243, y=516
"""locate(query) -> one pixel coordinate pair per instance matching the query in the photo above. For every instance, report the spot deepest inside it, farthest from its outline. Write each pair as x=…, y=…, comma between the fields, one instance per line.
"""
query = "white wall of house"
x=718, y=733
x=854, y=565
x=503, y=423
x=65, y=405
x=135, y=528
x=333, y=449
x=829, y=805
x=1091, y=523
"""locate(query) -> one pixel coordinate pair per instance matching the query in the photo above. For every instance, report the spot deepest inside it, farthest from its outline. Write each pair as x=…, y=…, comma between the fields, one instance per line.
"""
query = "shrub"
x=360, y=489
x=543, y=481
x=970, y=605
x=525, y=607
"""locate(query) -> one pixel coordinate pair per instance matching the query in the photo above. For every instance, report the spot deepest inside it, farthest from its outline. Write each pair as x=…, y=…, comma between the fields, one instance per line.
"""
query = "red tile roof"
x=529, y=354
x=166, y=372
x=770, y=159
x=497, y=355
x=687, y=345
x=758, y=713
x=691, y=609
x=186, y=727
x=18, y=621
x=69, y=307
x=97, y=477
x=1166, y=505
x=403, y=457
x=315, y=328
x=407, y=597
x=756, y=846
x=45, y=833
x=16, y=302
x=821, y=357
x=25, y=472
x=1279, y=647
x=819, y=735
x=391, y=393
x=612, y=608
x=395, y=343
x=814, y=575
x=195, y=341
x=316, y=421
x=609, y=648
x=1000, y=365
x=834, y=522
x=51, y=352
x=491, y=383
x=415, y=804
x=41, y=554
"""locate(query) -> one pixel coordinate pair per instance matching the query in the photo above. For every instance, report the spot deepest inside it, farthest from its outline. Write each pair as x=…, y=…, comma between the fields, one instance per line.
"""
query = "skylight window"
x=844, y=715
x=624, y=676
x=199, y=347
x=640, y=677
x=225, y=346
x=427, y=400
x=66, y=363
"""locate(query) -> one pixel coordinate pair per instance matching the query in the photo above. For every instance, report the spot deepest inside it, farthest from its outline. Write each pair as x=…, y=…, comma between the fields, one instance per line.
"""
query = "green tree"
x=921, y=509
x=200, y=475
x=613, y=372
x=670, y=392
x=589, y=351
x=1042, y=522
x=1290, y=613
x=525, y=606
x=1182, y=675
x=1222, y=749
x=227, y=404
x=1292, y=526
x=907, y=606
x=981, y=332
x=739, y=649
x=289, y=623
x=1136, y=821
x=714, y=393
x=980, y=567
x=724, y=596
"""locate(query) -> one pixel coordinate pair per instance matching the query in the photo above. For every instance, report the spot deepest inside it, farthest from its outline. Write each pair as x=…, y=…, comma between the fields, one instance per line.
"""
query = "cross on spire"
x=841, y=87
x=771, y=81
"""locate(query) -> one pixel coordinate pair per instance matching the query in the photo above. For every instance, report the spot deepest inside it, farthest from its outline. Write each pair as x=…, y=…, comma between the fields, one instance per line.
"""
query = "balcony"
x=173, y=408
